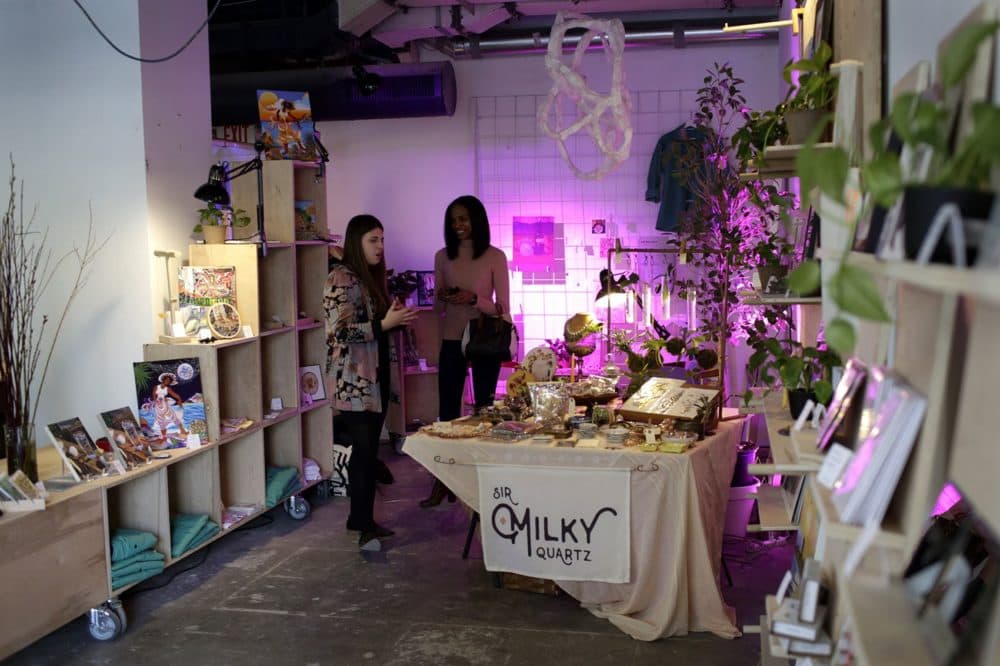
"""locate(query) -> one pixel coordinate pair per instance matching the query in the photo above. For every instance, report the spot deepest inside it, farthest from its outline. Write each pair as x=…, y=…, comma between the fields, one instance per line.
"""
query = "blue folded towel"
x=144, y=556
x=125, y=543
x=209, y=530
x=183, y=529
x=121, y=581
x=278, y=482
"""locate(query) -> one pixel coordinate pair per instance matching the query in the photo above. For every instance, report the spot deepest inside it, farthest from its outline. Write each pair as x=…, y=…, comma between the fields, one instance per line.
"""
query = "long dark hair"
x=372, y=277
x=480, y=227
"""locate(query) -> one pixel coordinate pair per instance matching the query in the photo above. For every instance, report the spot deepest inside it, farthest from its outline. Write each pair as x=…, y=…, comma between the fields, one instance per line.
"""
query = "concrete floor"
x=293, y=592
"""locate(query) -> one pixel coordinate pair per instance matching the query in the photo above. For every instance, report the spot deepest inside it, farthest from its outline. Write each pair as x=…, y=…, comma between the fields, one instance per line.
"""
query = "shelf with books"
x=784, y=452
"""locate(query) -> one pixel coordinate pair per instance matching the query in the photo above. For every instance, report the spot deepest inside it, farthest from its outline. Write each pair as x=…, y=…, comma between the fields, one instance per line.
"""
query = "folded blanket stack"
x=281, y=482
x=133, y=558
x=188, y=531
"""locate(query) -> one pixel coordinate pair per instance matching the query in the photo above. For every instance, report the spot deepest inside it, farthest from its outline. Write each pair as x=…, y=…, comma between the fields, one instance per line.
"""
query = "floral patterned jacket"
x=352, y=350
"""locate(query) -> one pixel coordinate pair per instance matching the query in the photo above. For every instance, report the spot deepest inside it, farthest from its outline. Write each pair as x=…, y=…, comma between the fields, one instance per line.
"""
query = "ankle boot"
x=438, y=493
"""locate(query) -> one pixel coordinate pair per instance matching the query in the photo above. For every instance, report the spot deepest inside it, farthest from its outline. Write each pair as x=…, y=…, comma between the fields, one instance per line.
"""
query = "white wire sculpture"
x=607, y=118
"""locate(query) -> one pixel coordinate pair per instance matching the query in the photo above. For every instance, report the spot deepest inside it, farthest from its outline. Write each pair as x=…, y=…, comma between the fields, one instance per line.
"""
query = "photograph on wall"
x=171, y=406
x=425, y=288
x=534, y=244
x=305, y=220
x=286, y=125
x=199, y=288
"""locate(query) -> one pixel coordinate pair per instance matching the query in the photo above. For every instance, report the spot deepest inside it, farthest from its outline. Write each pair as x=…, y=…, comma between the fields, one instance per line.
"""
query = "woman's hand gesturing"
x=398, y=315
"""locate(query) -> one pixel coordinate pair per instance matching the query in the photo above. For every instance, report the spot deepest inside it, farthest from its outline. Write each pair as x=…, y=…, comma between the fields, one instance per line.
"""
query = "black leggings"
x=452, y=366
x=363, y=430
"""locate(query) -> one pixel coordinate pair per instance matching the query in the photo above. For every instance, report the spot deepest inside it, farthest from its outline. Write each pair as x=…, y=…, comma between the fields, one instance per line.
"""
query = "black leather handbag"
x=490, y=336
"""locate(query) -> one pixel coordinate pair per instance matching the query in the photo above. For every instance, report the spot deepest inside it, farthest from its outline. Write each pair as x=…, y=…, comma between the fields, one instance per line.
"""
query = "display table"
x=678, y=511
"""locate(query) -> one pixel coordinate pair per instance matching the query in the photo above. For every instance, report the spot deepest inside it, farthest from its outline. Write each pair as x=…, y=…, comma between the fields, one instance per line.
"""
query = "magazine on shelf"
x=171, y=405
x=73, y=443
x=842, y=418
x=864, y=489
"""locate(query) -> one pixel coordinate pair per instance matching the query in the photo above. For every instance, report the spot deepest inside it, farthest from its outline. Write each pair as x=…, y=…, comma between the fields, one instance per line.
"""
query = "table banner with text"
x=556, y=522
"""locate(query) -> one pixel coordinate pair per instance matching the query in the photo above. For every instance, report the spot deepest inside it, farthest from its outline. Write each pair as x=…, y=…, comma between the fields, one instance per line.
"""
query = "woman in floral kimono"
x=359, y=316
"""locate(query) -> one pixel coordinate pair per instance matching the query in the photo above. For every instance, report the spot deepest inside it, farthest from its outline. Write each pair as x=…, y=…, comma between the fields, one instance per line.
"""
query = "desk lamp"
x=213, y=192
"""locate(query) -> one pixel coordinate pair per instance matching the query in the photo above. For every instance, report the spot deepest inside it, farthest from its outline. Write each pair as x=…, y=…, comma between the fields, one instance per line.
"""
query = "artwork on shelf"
x=425, y=288
x=842, y=422
x=199, y=288
x=305, y=220
x=311, y=384
x=666, y=397
x=171, y=406
x=126, y=437
x=534, y=244
x=953, y=578
x=286, y=125
x=78, y=451
x=224, y=321
x=598, y=226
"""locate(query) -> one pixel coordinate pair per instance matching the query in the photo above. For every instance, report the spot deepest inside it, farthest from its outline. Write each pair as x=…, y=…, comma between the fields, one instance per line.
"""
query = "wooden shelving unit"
x=779, y=161
x=417, y=389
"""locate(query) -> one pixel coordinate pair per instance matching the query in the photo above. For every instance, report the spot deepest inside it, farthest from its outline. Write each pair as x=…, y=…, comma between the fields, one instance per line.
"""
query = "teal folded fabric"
x=122, y=581
x=125, y=543
x=278, y=480
x=184, y=527
x=136, y=568
x=207, y=532
x=144, y=556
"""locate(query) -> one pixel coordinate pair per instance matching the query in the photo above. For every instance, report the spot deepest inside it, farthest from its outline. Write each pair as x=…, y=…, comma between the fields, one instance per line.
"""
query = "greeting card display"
x=663, y=397
x=171, y=406
x=77, y=449
x=126, y=436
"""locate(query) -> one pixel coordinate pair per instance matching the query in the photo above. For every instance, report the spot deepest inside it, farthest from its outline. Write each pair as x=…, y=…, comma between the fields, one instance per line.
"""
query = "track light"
x=368, y=82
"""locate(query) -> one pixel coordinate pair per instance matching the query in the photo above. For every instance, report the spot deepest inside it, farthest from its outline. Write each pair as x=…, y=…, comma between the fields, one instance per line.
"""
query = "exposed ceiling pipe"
x=462, y=47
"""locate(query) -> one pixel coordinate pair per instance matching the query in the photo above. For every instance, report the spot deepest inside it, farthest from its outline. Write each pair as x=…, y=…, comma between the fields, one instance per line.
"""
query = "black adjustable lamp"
x=213, y=192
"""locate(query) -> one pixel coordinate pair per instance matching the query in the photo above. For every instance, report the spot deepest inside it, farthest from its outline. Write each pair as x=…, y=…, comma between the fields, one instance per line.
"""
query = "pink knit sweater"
x=486, y=276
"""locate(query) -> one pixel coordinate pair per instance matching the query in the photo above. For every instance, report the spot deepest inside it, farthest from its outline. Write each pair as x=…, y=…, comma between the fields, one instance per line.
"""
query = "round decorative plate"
x=224, y=320
x=541, y=363
x=309, y=382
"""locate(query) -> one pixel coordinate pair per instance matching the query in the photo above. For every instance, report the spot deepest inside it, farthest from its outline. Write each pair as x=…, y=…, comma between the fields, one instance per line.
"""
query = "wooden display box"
x=632, y=409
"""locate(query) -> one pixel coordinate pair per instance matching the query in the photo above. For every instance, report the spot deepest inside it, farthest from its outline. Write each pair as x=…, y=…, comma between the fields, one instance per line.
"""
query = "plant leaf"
x=805, y=278
x=840, y=336
x=823, y=390
x=883, y=178
x=961, y=52
x=854, y=290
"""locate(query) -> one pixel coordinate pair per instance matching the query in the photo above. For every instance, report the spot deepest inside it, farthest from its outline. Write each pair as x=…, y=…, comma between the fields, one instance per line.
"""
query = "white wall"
x=177, y=119
x=405, y=171
x=914, y=28
x=77, y=142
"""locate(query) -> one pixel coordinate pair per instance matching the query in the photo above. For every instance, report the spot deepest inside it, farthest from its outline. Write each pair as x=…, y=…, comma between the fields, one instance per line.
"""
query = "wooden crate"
x=513, y=581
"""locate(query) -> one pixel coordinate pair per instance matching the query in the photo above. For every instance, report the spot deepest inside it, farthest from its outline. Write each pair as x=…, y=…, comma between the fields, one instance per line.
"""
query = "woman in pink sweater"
x=470, y=277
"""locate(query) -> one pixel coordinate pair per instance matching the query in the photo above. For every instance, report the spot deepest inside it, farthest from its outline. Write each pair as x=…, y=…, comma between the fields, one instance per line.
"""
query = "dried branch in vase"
x=27, y=269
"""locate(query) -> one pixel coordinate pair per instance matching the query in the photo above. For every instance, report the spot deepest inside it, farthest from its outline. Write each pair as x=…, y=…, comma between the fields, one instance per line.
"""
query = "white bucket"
x=739, y=508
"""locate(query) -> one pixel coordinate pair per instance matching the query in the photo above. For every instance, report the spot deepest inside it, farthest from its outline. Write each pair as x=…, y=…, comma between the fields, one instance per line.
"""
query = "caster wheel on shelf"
x=119, y=610
x=105, y=624
x=297, y=507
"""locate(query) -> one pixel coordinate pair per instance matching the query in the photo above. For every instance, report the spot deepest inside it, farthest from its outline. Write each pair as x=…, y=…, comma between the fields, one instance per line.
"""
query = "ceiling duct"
x=465, y=47
x=335, y=93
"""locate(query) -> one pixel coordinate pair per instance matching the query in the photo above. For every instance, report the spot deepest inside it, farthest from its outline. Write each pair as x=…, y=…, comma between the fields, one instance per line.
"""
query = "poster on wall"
x=286, y=125
x=534, y=244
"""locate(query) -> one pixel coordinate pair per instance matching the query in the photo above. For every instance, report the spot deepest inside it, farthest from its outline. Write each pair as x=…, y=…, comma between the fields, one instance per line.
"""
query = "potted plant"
x=804, y=371
x=213, y=220
x=772, y=254
x=812, y=97
x=761, y=129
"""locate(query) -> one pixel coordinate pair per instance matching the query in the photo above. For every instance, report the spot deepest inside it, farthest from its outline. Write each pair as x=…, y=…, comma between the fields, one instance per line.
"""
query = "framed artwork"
x=311, y=384
x=287, y=125
x=425, y=288
x=305, y=220
x=171, y=405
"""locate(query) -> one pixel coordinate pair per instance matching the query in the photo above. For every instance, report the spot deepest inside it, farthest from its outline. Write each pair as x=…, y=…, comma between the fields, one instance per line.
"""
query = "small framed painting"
x=311, y=384
x=425, y=288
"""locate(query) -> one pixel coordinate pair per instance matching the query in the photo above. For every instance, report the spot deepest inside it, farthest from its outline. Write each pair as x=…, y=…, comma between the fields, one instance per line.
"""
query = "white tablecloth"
x=678, y=515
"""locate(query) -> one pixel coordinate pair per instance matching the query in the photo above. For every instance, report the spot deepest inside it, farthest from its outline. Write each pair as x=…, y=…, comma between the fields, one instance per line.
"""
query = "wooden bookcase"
x=280, y=296
x=417, y=389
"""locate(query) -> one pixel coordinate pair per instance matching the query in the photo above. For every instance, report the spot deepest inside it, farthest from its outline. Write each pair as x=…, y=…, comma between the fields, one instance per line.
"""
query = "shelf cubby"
x=281, y=445
x=317, y=437
x=193, y=485
x=241, y=470
x=239, y=376
x=279, y=361
x=277, y=286
x=142, y=504
x=312, y=347
x=311, y=260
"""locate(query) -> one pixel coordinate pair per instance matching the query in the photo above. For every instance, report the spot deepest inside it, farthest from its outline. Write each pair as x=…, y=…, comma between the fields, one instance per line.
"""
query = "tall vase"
x=22, y=453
